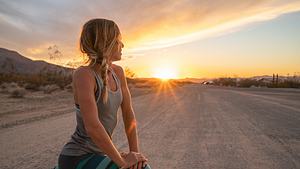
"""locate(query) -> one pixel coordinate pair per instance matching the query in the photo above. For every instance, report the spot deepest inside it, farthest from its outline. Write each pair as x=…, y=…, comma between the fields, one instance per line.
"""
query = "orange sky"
x=174, y=39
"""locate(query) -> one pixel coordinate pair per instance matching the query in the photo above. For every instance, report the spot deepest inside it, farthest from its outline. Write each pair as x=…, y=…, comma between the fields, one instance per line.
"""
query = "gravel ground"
x=193, y=126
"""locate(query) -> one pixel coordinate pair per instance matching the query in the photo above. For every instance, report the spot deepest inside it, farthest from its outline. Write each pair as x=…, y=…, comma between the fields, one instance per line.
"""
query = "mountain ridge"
x=13, y=62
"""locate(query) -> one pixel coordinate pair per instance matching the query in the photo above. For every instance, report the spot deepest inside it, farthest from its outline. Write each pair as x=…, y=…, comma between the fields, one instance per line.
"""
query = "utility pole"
x=277, y=80
x=273, y=80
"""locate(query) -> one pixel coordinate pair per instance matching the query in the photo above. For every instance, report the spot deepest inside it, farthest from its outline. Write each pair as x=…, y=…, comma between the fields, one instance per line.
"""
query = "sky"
x=170, y=38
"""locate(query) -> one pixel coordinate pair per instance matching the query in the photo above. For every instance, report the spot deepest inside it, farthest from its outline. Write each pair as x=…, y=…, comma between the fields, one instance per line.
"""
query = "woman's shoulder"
x=83, y=72
x=119, y=71
x=82, y=69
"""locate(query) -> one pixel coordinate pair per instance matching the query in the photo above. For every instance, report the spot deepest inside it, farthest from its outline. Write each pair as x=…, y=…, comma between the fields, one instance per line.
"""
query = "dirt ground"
x=193, y=126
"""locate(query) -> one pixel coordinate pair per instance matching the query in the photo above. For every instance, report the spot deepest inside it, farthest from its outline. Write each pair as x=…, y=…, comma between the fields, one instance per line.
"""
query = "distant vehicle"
x=208, y=82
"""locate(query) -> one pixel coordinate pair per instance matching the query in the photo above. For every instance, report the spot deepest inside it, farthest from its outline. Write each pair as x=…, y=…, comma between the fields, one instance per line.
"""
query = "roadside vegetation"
x=272, y=82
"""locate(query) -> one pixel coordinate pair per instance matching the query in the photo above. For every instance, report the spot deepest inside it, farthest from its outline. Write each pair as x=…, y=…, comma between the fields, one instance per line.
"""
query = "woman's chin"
x=117, y=59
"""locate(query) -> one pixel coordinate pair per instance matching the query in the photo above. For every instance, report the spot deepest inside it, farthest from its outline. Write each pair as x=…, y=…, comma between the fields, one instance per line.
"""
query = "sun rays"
x=165, y=73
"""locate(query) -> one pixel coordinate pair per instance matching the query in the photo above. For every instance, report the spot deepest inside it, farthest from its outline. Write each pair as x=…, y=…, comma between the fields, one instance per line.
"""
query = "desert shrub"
x=129, y=73
x=48, y=89
x=35, y=81
x=18, y=93
x=156, y=83
x=289, y=84
x=225, y=81
x=180, y=82
x=32, y=86
x=248, y=83
x=13, y=85
x=4, y=88
x=8, y=87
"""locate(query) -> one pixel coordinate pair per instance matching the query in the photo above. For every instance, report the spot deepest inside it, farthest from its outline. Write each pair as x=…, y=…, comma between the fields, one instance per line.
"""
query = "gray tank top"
x=80, y=143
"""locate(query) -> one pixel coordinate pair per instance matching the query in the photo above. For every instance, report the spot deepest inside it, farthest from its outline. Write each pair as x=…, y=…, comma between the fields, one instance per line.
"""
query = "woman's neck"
x=109, y=64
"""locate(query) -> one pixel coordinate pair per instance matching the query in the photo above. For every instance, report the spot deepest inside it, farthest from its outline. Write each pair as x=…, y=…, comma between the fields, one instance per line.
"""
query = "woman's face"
x=117, y=50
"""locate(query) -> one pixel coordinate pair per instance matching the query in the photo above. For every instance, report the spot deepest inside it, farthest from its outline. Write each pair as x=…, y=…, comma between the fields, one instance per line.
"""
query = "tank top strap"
x=99, y=84
x=116, y=78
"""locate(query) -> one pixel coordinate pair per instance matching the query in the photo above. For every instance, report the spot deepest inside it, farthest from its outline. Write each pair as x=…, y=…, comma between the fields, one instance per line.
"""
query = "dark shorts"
x=87, y=161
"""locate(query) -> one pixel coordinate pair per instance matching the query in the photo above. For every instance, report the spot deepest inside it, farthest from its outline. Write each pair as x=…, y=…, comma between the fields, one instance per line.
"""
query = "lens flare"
x=165, y=73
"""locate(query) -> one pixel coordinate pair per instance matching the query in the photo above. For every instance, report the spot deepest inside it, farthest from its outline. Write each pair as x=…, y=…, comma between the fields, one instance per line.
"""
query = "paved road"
x=189, y=127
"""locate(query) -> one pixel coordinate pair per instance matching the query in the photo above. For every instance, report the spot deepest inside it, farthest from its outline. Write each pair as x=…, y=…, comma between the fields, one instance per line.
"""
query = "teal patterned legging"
x=88, y=161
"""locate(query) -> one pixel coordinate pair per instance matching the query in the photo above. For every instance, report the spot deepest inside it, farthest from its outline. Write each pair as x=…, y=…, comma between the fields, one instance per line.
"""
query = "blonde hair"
x=97, y=40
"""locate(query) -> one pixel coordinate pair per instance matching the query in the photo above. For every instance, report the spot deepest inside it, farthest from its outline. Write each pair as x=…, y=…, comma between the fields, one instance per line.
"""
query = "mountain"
x=13, y=62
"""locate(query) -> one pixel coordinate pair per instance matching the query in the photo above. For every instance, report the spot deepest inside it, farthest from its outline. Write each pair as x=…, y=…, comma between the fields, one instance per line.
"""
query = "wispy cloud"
x=192, y=23
x=145, y=24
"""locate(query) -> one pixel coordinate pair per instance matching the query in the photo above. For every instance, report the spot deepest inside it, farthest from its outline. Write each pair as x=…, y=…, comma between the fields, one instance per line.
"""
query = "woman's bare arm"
x=84, y=83
x=129, y=119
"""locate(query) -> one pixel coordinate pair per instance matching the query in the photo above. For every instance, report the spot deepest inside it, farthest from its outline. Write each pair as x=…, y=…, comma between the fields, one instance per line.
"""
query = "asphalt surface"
x=192, y=126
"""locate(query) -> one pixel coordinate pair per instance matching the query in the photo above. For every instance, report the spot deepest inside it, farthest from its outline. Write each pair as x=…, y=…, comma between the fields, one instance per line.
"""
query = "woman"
x=99, y=89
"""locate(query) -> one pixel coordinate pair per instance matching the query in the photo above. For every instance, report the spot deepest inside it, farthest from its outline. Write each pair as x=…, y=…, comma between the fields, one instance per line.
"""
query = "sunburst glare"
x=165, y=73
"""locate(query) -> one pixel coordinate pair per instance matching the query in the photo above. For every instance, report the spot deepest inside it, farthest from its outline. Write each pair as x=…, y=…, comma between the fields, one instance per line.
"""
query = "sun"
x=165, y=73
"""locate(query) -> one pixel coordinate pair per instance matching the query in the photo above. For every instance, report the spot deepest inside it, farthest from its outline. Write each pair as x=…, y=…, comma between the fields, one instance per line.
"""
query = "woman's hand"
x=134, y=160
x=139, y=165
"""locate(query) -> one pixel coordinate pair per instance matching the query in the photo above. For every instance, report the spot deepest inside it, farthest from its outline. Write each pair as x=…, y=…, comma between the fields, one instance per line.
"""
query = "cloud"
x=193, y=23
x=35, y=51
x=144, y=24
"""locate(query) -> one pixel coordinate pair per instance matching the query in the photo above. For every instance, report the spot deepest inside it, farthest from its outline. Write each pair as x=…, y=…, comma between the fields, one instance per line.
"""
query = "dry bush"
x=226, y=81
x=48, y=89
x=8, y=87
x=14, y=85
x=180, y=82
x=35, y=81
x=129, y=73
x=32, y=86
x=4, y=87
x=18, y=93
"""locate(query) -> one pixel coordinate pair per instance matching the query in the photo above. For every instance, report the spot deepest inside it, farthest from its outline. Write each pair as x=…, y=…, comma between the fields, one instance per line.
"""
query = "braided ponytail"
x=104, y=76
